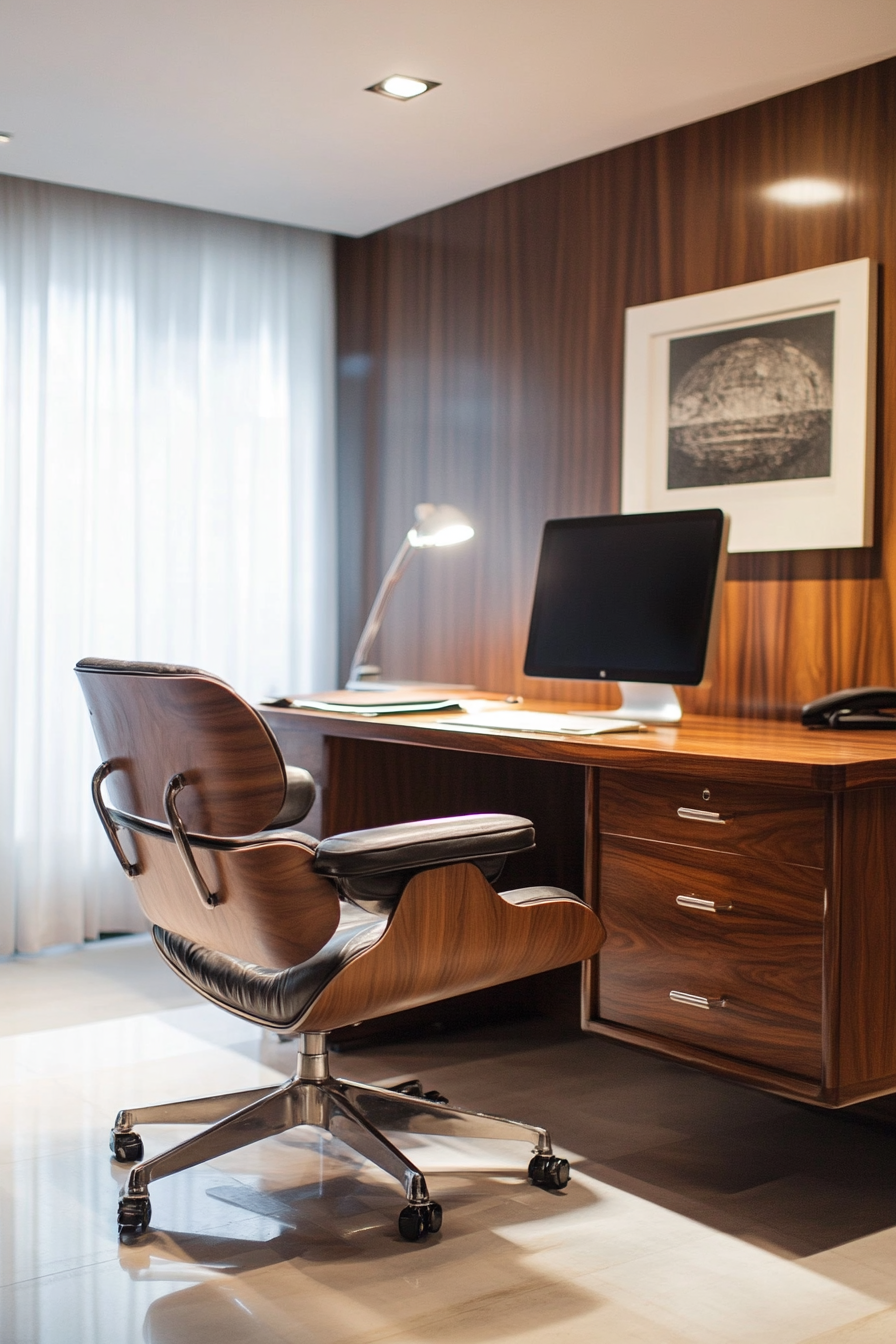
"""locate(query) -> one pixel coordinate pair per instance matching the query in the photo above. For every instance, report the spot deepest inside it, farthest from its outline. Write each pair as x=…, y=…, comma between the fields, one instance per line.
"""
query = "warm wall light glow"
x=5, y=137
x=403, y=87
x=806, y=191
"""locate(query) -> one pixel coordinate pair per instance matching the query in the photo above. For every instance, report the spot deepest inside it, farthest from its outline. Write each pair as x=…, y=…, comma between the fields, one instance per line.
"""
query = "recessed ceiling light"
x=806, y=191
x=403, y=87
x=5, y=137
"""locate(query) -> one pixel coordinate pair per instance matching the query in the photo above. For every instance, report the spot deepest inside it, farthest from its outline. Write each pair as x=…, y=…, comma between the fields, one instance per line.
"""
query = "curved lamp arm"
x=360, y=666
x=435, y=525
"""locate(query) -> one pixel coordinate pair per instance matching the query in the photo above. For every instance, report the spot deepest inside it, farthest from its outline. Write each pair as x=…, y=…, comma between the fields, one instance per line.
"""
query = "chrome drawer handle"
x=697, y=814
x=695, y=1000
x=698, y=903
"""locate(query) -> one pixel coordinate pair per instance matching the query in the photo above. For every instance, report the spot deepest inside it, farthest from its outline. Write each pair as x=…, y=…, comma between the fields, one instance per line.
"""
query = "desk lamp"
x=434, y=525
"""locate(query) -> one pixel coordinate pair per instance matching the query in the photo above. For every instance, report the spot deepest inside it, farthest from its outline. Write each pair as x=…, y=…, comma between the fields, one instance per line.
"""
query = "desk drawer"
x=784, y=825
x=757, y=965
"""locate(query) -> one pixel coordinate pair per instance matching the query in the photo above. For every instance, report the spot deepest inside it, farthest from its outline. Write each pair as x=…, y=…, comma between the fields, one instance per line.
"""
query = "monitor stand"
x=647, y=701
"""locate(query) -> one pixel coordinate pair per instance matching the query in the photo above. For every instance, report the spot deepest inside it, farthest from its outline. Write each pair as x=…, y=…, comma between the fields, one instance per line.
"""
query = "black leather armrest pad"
x=423, y=844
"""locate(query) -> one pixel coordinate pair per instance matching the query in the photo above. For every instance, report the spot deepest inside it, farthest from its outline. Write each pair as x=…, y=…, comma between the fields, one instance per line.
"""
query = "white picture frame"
x=759, y=400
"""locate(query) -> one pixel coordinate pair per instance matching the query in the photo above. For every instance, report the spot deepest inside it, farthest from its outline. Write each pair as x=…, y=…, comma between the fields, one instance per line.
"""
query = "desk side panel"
x=863, y=957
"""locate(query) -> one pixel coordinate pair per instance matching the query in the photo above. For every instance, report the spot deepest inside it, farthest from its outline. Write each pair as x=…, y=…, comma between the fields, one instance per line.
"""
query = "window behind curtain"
x=166, y=493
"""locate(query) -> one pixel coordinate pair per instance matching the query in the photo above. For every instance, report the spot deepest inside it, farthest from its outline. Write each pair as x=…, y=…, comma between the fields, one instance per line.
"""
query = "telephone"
x=862, y=707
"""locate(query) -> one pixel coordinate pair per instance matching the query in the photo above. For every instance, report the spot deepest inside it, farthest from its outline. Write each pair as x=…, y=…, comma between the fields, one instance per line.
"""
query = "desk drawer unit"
x=713, y=950
x=784, y=825
x=713, y=897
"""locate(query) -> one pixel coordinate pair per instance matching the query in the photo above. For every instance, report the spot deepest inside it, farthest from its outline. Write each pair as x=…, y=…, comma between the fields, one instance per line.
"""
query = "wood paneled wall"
x=481, y=352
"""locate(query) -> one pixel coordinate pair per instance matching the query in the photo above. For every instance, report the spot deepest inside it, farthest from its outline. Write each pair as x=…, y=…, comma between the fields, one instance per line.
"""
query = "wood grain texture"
x=862, y=938
x=738, y=1070
x=784, y=825
x=275, y=910
x=481, y=362
x=154, y=727
x=767, y=754
x=452, y=934
x=760, y=958
x=750, y=889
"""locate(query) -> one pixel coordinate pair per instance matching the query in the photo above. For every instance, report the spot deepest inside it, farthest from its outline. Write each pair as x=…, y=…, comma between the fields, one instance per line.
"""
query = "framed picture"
x=759, y=400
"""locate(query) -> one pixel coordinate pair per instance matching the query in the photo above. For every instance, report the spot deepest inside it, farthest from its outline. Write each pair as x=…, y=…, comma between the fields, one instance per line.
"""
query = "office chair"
x=303, y=936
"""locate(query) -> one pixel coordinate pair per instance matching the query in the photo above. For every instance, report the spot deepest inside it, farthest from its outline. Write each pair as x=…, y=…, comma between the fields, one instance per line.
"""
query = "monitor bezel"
x=679, y=676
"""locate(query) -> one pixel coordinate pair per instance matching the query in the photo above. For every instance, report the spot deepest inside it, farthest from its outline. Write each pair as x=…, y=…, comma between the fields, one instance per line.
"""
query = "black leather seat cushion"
x=274, y=998
x=300, y=793
x=278, y=999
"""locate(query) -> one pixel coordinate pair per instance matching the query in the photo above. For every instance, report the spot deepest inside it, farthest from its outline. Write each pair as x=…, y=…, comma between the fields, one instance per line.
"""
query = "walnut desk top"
x=743, y=750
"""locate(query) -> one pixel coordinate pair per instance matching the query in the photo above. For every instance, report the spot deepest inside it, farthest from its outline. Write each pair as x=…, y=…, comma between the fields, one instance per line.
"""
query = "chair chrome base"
x=354, y=1113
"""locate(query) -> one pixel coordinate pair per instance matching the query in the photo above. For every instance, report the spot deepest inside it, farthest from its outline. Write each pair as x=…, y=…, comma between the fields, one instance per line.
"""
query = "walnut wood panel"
x=767, y=968
x=481, y=362
x=783, y=825
x=452, y=934
x=766, y=754
x=275, y=910
x=738, y=1070
x=153, y=727
x=862, y=935
x=754, y=889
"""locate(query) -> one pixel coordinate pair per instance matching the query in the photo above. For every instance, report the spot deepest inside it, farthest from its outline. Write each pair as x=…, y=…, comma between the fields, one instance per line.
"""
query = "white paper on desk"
x=372, y=710
x=530, y=721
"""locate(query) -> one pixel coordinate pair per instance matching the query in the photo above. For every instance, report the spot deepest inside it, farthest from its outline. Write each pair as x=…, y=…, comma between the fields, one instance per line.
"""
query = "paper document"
x=374, y=705
x=530, y=721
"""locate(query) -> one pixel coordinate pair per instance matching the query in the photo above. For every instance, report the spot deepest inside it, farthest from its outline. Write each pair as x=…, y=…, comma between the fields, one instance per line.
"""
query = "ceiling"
x=260, y=108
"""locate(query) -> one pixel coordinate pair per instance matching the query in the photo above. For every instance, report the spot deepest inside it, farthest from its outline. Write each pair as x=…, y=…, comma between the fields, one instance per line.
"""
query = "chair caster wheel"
x=126, y=1147
x=551, y=1173
x=134, y=1213
x=414, y=1088
x=416, y=1220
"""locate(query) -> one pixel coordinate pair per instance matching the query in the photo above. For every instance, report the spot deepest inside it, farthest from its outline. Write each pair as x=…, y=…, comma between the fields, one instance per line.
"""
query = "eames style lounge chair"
x=303, y=936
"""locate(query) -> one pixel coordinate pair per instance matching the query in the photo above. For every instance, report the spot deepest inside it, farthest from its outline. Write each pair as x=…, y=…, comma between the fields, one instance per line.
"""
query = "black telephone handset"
x=862, y=707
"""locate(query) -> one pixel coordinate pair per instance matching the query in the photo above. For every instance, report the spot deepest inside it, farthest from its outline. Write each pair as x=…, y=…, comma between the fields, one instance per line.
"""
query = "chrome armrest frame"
x=129, y=822
x=110, y=826
x=174, y=786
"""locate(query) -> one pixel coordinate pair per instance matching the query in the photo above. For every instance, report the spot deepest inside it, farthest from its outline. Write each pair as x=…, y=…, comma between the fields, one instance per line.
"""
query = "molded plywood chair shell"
x=153, y=721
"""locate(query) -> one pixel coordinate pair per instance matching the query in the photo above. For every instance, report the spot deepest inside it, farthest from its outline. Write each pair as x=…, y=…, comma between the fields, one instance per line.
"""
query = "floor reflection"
x=699, y=1212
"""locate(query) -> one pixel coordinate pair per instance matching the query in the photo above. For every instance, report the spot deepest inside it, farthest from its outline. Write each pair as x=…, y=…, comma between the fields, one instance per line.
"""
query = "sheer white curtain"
x=166, y=493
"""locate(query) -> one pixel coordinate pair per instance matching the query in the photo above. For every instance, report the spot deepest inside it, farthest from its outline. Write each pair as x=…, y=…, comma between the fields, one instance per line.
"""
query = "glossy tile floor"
x=699, y=1211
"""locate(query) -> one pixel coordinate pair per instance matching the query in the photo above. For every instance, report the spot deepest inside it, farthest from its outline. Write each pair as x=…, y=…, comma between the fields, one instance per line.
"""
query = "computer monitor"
x=632, y=598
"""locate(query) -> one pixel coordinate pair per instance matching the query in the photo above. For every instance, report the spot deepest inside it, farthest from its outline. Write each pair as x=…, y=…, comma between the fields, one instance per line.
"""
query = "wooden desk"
x=787, y=929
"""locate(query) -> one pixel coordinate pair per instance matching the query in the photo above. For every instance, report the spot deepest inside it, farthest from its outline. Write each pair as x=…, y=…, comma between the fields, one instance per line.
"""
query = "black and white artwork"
x=751, y=403
x=758, y=399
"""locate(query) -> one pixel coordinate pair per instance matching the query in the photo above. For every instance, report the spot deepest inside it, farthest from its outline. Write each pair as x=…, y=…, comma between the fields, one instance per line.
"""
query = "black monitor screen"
x=627, y=597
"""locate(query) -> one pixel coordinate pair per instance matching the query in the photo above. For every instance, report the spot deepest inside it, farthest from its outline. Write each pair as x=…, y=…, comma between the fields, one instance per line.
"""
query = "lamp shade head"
x=439, y=525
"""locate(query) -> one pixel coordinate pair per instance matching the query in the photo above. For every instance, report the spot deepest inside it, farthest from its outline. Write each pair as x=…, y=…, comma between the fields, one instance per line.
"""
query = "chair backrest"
x=153, y=721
